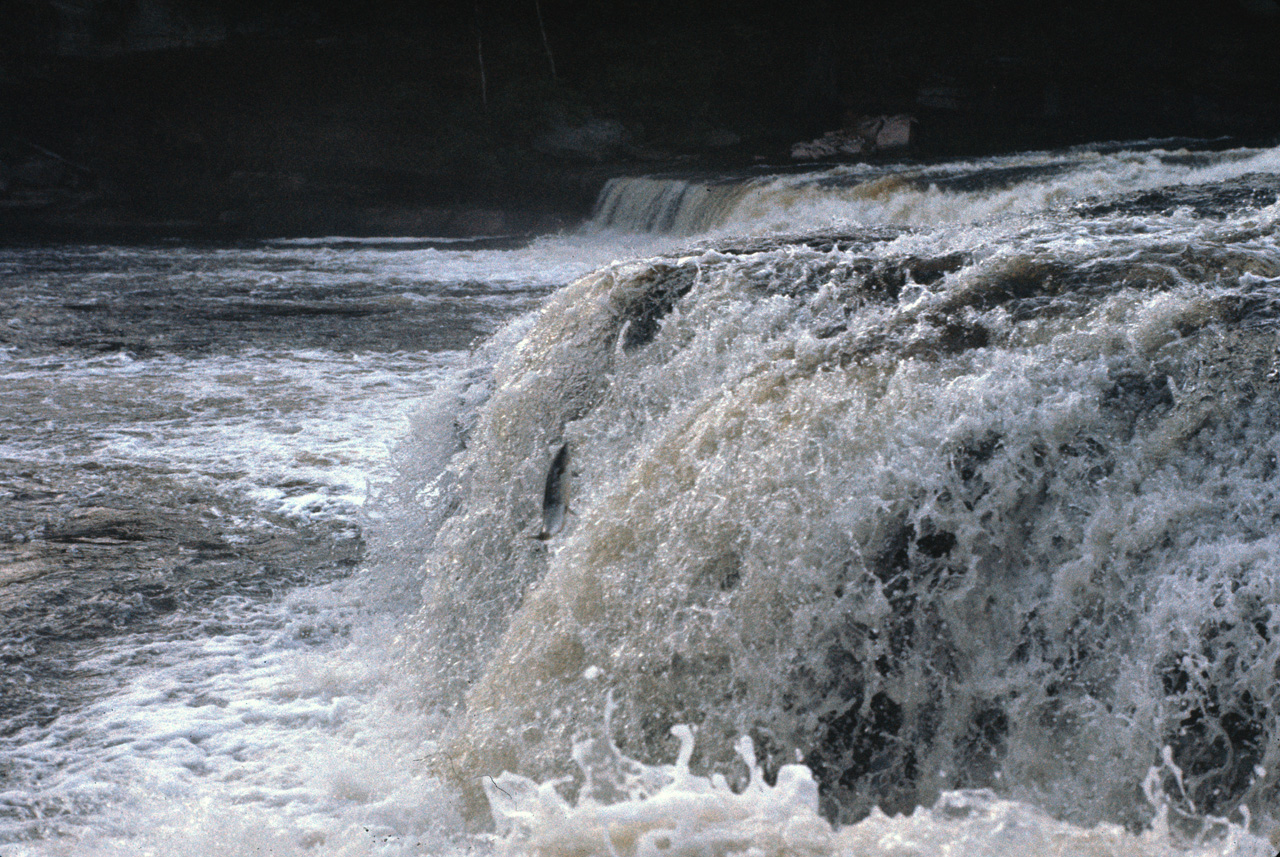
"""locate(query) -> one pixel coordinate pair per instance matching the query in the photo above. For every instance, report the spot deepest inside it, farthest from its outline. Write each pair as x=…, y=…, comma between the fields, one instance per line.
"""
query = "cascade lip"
x=829, y=199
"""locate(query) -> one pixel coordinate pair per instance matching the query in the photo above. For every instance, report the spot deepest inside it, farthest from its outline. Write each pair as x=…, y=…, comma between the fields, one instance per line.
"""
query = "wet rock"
x=87, y=553
x=863, y=135
x=888, y=132
x=830, y=145
x=38, y=173
x=1216, y=200
x=644, y=316
x=100, y=526
x=481, y=222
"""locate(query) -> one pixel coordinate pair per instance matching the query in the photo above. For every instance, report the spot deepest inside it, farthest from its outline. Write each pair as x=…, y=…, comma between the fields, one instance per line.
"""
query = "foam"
x=757, y=503
x=274, y=738
x=302, y=433
x=628, y=809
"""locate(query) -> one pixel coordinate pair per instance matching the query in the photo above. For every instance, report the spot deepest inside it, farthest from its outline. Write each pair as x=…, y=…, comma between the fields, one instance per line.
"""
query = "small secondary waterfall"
x=670, y=206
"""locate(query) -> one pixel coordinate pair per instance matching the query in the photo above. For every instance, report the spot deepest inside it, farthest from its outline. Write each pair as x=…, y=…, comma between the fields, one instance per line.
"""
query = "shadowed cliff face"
x=263, y=116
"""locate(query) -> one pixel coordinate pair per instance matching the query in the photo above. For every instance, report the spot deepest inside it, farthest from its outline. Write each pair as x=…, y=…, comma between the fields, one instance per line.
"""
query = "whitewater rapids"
x=907, y=510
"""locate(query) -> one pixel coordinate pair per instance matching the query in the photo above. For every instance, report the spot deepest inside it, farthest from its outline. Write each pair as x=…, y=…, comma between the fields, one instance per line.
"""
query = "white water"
x=668, y=810
x=721, y=472
x=302, y=433
x=861, y=195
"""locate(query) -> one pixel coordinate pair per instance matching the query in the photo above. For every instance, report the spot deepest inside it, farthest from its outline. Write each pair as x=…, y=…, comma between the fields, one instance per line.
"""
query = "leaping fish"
x=555, y=496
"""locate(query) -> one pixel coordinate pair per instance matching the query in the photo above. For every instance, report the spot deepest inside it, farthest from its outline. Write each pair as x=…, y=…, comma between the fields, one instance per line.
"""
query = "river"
x=904, y=509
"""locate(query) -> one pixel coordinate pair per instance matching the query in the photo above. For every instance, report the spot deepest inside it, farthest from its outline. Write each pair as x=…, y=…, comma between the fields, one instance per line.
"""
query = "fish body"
x=555, y=494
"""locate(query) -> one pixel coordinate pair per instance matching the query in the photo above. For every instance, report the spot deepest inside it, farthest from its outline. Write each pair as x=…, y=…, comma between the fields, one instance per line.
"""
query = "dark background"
x=273, y=117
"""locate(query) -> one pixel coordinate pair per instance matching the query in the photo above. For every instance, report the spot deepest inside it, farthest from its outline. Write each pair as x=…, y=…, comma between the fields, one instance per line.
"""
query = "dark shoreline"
x=97, y=218
x=384, y=122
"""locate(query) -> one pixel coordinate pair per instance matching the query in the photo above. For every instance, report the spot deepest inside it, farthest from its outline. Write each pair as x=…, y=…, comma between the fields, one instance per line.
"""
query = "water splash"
x=628, y=809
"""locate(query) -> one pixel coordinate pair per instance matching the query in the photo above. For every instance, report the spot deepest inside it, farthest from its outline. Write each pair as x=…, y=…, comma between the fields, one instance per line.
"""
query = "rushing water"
x=870, y=510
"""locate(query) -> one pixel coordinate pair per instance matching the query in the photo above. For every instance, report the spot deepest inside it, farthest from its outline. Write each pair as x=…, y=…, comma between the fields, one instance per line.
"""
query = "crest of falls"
x=904, y=194
x=957, y=497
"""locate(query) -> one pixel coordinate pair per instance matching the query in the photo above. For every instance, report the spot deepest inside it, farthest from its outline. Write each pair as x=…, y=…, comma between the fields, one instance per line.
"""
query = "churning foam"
x=295, y=431
x=271, y=729
x=627, y=809
x=948, y=511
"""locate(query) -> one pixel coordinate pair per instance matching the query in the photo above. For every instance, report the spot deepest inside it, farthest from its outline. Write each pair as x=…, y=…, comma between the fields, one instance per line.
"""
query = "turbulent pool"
x=893, y=509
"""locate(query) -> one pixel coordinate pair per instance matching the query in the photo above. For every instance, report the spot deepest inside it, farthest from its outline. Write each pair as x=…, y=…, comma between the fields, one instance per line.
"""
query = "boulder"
x=895, y=132
x=830, y=145
x=885, y=132
x=868, y=134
